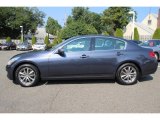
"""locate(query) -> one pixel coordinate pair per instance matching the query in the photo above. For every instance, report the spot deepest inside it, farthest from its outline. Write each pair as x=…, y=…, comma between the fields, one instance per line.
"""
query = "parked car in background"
x=8, y=46
x=0, y=46
x=88, y=57
x=24, y=46
x=154, y=45
x=39, y=46
x=137, y=41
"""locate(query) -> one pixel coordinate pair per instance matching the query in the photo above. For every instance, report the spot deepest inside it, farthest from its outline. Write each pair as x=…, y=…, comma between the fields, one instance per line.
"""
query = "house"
x=145, y=28
x=41, y=34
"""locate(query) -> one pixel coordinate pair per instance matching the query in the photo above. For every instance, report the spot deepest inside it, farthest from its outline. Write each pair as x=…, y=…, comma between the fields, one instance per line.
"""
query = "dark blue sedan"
x=89, y=57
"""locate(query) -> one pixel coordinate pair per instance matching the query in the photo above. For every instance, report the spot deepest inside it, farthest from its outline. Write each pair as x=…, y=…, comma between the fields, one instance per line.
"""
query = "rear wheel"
x=157, y=56
x=27, y=75
x=128, y=74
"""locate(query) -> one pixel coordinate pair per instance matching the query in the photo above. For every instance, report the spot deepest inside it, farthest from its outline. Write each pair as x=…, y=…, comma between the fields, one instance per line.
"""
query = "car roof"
x=97, y=36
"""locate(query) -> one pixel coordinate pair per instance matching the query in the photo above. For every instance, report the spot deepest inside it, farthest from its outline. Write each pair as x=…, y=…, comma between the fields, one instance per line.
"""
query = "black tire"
x=121, y=71
x=31, y=67
x=157, y=56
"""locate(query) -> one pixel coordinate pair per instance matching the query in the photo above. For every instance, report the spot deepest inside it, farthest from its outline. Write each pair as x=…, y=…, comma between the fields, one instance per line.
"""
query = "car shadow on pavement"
x=85, y=81
x=146, y=78
x=79, y=81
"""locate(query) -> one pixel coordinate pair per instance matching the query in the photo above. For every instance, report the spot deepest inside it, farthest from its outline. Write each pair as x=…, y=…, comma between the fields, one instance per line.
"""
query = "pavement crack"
x=54, y=98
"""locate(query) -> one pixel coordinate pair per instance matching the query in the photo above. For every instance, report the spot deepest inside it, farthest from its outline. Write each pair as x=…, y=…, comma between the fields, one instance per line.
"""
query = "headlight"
x=12, y=60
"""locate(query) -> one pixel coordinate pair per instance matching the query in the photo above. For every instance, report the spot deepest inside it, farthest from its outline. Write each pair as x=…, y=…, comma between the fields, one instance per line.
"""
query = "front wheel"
x=127, y=74
x=27, y=75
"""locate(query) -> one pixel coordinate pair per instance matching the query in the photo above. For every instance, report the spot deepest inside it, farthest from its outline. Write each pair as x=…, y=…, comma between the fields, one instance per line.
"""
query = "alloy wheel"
x=27, y=76
x=128, y=74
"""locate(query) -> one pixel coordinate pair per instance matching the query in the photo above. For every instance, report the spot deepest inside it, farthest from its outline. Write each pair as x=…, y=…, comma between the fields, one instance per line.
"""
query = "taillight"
x=152, y=54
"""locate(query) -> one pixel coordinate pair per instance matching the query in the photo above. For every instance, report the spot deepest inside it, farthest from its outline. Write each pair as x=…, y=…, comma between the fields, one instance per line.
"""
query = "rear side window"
x=108, y=44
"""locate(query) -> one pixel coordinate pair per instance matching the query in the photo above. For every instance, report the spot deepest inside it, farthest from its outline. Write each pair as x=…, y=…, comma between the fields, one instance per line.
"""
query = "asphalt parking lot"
x=78, y=96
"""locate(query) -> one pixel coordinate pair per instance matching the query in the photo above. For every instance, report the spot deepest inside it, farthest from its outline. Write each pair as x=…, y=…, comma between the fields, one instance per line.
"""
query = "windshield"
x=148, y=44
x=144, y=44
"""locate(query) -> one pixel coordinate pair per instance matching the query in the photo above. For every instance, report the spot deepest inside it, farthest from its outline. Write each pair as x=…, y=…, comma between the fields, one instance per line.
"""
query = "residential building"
x=41, y=34
x=145, y=28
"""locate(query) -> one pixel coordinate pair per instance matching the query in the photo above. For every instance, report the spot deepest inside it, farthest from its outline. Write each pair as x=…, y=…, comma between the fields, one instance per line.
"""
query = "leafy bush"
x=136, y=34
x=119, y=33
x=33, y=40
x=8, y=39
x=46, y=41
x=156, y=34
x=106, y=33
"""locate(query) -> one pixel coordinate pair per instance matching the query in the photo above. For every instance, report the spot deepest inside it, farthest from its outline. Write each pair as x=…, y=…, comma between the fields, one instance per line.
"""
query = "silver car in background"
x=39, y=46
x=24, y=46
x=154, y=45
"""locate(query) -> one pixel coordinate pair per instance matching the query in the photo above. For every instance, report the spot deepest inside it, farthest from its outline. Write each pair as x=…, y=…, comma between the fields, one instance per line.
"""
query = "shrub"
x=8, y=39
x=46, y=41
x=156, y=34
x=33, y=40
x=136, y=34
x=106, y=33
x=119, y=33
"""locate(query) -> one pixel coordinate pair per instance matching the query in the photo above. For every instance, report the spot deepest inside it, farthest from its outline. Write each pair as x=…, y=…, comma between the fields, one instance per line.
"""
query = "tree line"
x=82, y=21
x=11, y=18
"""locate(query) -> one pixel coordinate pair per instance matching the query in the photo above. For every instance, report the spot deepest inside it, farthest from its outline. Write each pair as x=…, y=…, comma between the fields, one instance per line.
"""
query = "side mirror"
x=60, y=52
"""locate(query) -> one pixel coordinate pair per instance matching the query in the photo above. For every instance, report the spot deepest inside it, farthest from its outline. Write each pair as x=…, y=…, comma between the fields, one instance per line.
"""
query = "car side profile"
x=24, y=46
x=90, y=56
x=8, y=46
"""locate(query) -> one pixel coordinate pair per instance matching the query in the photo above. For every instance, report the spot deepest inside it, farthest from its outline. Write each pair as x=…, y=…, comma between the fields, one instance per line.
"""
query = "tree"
x=80, y=14
x=14, y=17
x=8, y=39
x=119, y=33
x=116, y=17
x=77, y=28
x=136, y=34
x=52, y=26
x=33, y=40
x=84, y=15
x=156, y=34
x=46, y=41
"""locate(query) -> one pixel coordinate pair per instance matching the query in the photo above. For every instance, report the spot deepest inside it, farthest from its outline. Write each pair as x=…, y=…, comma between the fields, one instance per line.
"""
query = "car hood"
x=32, y=54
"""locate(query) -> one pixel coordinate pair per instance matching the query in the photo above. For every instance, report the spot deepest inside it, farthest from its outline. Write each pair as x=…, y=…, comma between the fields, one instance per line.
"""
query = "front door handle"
x=84, y=56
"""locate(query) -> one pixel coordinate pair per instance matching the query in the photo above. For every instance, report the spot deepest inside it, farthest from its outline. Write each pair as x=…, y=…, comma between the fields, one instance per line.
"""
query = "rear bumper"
x=149, y=67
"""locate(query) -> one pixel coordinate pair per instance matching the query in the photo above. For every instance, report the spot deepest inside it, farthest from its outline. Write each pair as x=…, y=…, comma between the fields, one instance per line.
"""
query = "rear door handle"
x=119, y=53
x=84, y=56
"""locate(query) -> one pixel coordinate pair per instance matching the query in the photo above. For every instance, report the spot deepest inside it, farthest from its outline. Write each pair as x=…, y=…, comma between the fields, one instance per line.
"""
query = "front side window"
x=82, y=44
x=108, y=44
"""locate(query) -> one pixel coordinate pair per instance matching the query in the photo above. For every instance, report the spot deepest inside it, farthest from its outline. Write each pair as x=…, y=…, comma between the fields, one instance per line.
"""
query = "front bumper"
x=10, y=73
x=22, y=48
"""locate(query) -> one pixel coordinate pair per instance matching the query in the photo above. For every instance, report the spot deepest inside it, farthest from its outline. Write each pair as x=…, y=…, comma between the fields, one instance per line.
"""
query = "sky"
x=60, y=13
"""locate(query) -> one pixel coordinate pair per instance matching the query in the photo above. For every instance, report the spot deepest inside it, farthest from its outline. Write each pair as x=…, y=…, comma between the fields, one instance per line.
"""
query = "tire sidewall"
x=156, y=56
x=33, y=68
x=119, y=80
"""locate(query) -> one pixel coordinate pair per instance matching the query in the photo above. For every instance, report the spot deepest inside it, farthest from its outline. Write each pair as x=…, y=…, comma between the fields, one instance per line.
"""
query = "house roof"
x=144, y=27
x=154, y=15
x=41, y=33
